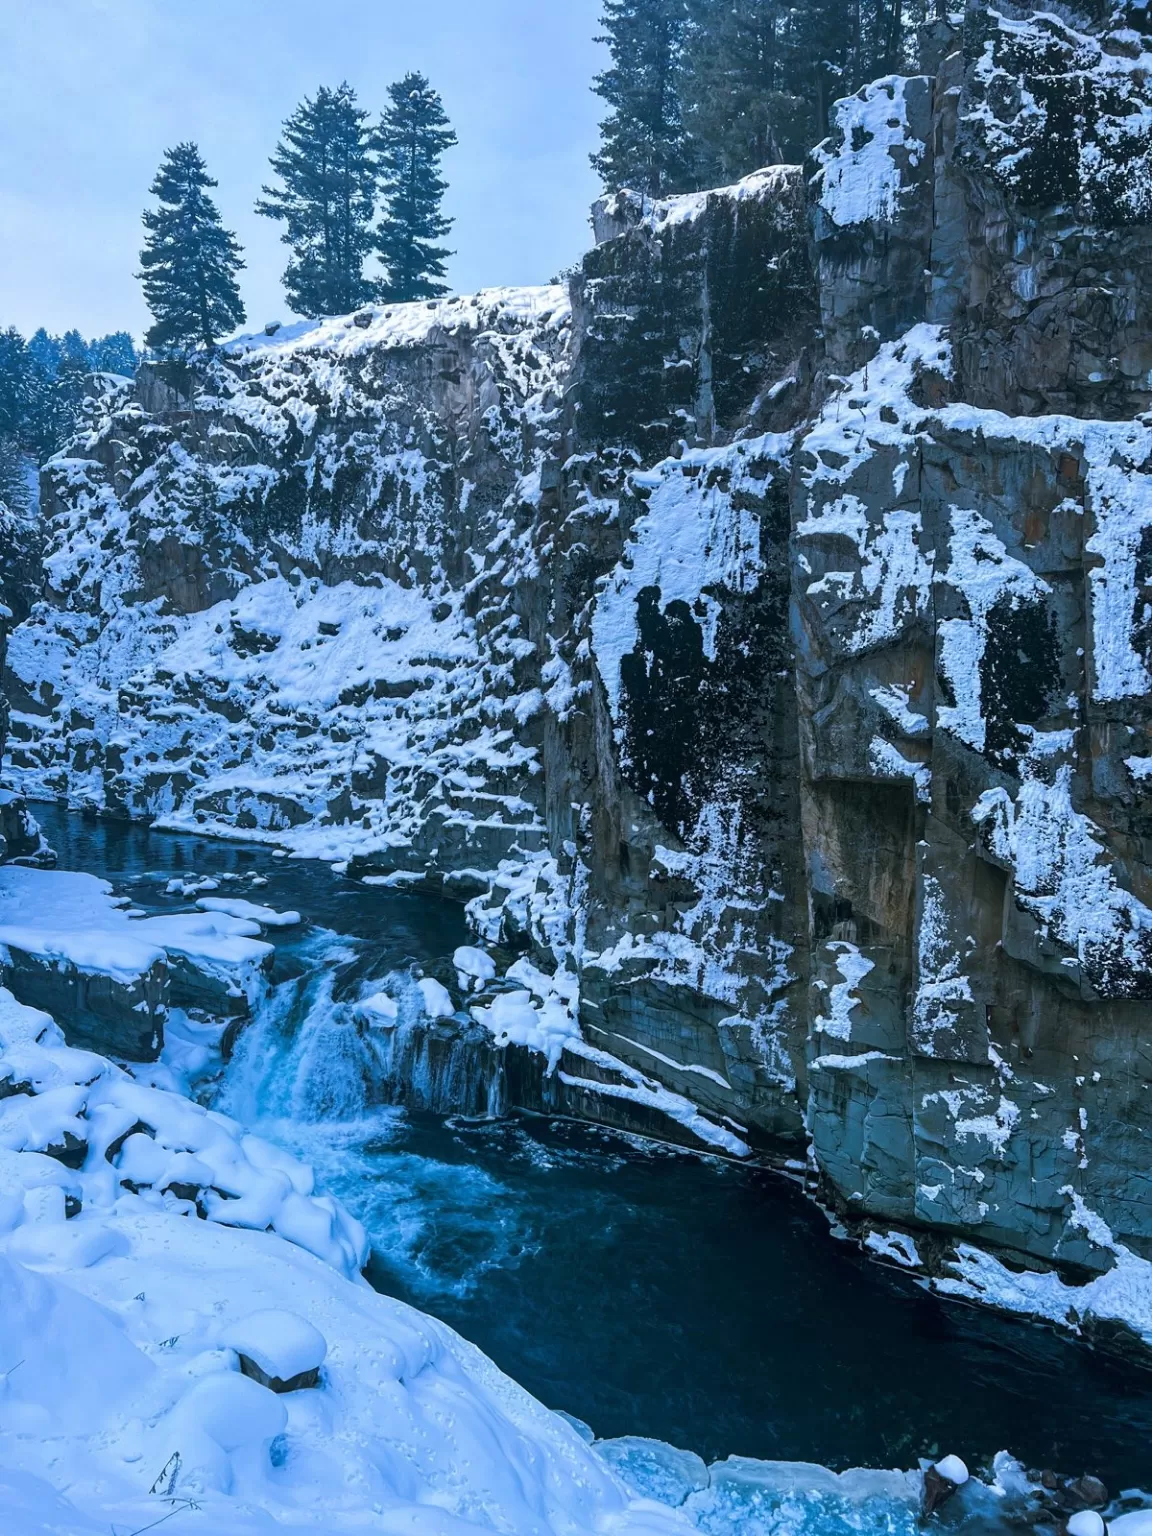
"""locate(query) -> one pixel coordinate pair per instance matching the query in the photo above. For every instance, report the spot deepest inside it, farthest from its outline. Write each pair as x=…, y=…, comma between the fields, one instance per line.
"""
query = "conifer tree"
x=413, y=135
x=326, y=202
x=745, y=105
x=17, y=385
x=189, y=261
x=642, y=142
x=114, y=353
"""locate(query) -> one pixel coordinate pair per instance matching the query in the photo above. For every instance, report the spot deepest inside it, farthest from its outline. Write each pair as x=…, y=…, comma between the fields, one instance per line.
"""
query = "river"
x=639, y=1288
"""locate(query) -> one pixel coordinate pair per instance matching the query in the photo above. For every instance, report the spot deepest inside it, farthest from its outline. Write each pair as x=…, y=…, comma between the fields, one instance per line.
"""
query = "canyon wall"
x=756, y=631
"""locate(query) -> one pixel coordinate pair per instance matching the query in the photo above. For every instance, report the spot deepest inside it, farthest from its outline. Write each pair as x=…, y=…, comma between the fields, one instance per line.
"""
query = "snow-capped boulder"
x=280, y=1350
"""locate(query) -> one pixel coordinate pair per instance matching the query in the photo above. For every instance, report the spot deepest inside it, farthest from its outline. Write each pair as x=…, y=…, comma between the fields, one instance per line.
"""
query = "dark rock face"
x=124, y=1019
x=303, y=1381
x=20, y=837
x=761, y=637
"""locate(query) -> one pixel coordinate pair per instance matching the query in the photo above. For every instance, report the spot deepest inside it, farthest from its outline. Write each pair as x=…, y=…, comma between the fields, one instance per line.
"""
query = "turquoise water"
x=644, y=1290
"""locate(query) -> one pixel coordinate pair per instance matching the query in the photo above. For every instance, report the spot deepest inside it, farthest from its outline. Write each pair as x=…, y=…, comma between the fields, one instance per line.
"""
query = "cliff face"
x=757, y=633
x=19, y=537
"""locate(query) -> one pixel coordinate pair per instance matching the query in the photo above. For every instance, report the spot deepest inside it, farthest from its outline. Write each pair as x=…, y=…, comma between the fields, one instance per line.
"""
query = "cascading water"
x=321, y=1052
x=330, y=1065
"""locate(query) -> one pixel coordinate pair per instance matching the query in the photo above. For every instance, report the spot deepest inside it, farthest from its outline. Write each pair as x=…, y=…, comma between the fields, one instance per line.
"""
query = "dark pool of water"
x=645, y=1290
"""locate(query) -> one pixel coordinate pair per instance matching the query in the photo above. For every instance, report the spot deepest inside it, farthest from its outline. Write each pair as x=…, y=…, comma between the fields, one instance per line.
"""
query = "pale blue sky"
x=93, y=91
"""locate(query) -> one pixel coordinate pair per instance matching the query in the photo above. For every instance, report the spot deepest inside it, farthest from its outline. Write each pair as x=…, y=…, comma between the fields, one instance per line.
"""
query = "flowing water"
x=642, y=1289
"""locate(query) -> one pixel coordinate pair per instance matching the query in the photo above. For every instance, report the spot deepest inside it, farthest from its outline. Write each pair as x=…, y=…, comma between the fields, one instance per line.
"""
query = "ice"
x=654, y=1469
x=776, y=1498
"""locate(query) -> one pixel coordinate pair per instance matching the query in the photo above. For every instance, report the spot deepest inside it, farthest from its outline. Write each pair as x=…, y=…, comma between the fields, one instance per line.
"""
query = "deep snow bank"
x=135, y=1271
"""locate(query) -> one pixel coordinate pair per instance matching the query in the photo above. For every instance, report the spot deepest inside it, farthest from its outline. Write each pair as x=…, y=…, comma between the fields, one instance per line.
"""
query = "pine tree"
x=745, y=103
x=189, y=261
x=17, y=385
x=642, y=142
x=413, y=135
x=114, y=353
x=326, y=203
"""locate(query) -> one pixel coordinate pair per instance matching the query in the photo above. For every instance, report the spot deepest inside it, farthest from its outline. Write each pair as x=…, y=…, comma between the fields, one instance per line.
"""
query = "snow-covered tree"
x=190, y=261
x=413, y=135
x=642, y=141
x=326, y=202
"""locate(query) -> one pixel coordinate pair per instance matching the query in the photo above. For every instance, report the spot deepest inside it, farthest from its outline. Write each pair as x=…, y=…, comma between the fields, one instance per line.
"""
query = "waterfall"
x=310, y=1058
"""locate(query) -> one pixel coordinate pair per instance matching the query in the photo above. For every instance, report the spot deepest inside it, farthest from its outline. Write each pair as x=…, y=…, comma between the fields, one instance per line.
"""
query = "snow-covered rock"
x=280, y=1349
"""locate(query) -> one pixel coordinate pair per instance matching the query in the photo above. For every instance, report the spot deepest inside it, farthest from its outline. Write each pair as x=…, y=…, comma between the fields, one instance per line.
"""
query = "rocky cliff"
x=19, y=835
x=756, y=632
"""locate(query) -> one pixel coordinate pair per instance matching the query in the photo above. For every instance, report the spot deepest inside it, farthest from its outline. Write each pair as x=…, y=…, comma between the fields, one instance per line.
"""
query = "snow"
x=1122, y=1294
x=1087, y=1522
x=1122, y=505
x=843, y=997
x=695, y=541
x=860, y=179
x=1013, y=121
x=410, y=325
x=542, y=1017
x=657, y=215
x=884, y=587
x=1062, y=876
x=282, y=1344
x=893, y=700
x=898, y=1247
x=248, y=911
x=69, y=918
x=1137, y=1523
x=953, y=1469
x=840, y=1063
x=120, y=1328
x=982, y=570
x=436, y=998
x=475, y=964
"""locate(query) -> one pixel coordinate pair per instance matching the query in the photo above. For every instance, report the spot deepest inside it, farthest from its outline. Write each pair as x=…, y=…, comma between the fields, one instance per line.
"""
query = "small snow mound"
x=953, y=1470
x=283, y=1344
x=232, y=1410
x=386, y=1008
x=437, y=999
x=474, y=963
x=249, y=911
x=1086, y=1522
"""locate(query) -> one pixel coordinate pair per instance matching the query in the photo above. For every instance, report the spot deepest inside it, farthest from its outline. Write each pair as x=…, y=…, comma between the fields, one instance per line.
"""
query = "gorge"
x=743, y=646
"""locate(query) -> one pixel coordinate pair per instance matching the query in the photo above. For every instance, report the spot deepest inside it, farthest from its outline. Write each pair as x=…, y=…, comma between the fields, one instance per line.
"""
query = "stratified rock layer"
x=758, y=632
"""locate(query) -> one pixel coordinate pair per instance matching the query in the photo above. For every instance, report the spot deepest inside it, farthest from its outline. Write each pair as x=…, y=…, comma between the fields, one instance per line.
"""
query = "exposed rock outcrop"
x=20, y=837
x=758, y=633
